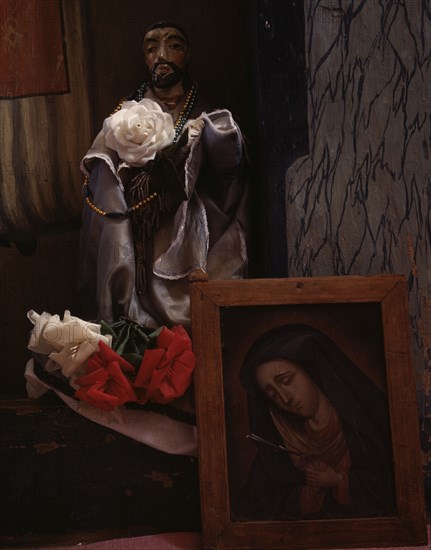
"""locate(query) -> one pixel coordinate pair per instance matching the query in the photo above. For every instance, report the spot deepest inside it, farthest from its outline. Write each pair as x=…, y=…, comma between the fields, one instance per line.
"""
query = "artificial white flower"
x=68, y=342
x=138, y=131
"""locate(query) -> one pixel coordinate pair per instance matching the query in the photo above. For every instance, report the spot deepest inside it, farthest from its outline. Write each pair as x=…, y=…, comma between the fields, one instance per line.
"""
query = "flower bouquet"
x=114, y=373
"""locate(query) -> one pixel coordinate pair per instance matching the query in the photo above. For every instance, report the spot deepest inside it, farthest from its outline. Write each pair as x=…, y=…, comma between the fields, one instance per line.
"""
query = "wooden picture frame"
x=367, y=318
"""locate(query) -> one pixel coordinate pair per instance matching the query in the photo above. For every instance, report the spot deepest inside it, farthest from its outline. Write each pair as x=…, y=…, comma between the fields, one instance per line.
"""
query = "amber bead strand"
x=101, y=212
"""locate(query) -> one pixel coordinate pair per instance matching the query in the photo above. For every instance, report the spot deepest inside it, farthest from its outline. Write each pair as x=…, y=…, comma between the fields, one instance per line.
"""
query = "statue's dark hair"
x=165, y=23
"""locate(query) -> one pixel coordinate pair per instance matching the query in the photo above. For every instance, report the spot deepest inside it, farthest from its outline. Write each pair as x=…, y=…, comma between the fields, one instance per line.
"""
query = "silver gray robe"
x=206, y=231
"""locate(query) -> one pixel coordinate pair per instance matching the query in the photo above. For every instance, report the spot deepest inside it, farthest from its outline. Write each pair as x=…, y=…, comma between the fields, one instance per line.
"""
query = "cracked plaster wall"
x=359, y=203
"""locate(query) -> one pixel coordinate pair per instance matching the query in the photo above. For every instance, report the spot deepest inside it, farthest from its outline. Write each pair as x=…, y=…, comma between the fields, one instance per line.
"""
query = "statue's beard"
x=166, y=80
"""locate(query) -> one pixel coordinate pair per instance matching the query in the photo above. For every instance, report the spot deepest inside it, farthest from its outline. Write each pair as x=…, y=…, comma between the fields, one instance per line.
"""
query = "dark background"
x=64, y=478
x=248, y=56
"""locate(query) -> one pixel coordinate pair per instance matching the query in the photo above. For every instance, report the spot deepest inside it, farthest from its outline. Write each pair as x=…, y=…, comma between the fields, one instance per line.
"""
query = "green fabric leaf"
x=153, y=337
x=129, y=338
x=106, y=329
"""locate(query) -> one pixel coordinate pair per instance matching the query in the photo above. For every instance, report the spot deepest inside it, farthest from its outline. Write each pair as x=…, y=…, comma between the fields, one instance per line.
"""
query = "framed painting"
x=307, y=417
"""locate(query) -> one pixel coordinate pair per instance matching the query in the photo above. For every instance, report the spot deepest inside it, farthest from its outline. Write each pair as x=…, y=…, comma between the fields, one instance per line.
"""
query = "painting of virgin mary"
x=321, y=428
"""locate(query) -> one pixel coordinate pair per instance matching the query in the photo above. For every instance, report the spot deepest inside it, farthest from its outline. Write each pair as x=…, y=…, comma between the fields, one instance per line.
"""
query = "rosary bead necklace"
x=90, y=203
x=185, y=111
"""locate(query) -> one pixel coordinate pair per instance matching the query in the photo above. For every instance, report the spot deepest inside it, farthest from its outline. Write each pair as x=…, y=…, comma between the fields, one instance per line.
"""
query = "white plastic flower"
x=138, y=131
x=68, y=342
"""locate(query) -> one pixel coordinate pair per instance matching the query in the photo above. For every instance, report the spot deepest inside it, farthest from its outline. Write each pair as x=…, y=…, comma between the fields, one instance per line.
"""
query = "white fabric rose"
x=138, y=131
x=68, y=342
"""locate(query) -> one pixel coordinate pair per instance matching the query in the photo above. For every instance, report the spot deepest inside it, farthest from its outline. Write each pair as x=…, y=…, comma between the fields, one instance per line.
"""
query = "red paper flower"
x=166, y=372
x=105, y=386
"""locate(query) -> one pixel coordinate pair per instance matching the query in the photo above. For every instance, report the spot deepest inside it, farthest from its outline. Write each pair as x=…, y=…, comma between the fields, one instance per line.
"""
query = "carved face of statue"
x=166, y=55
x=289, y=387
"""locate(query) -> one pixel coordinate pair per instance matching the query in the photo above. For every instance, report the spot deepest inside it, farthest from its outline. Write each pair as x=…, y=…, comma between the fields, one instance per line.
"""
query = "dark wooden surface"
x=64, y=478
